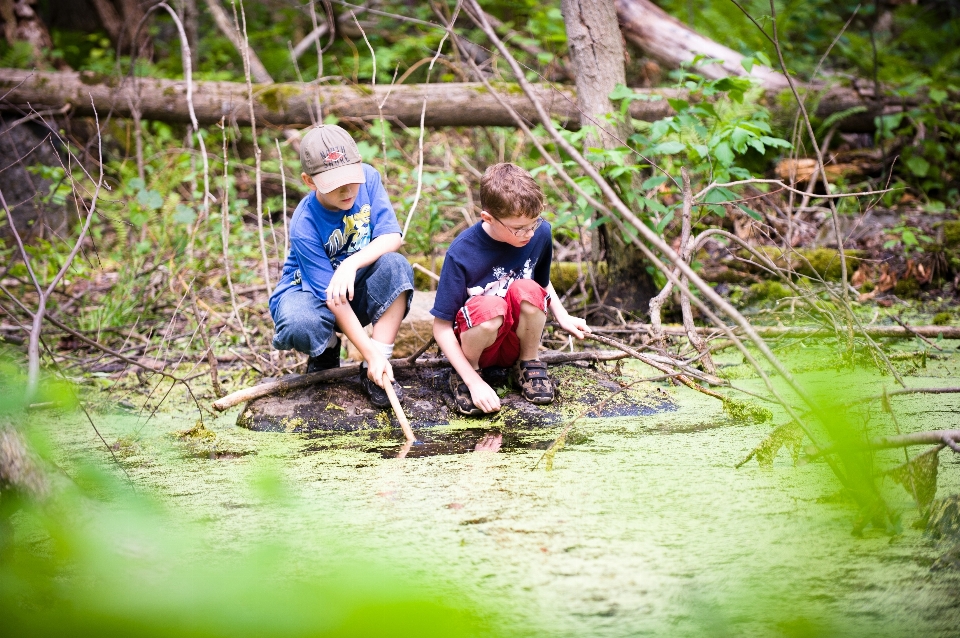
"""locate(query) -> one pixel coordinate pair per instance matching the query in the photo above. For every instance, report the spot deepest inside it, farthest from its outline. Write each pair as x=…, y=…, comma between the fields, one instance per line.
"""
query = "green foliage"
x=719, y=133
x=910, y=238
x=18, y=56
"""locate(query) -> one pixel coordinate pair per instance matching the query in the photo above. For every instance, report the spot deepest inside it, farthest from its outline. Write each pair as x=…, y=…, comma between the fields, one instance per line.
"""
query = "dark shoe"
x=461, y=396
x=536, y=386
x=377, y=395
x=326, y=360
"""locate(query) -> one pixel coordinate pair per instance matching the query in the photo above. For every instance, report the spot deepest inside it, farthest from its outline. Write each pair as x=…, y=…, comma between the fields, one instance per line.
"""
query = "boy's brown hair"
x=507, y=190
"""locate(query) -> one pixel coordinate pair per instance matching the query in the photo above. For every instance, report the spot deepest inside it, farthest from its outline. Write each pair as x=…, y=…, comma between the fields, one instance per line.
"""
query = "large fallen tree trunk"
x=672, y=43
x=283, y=105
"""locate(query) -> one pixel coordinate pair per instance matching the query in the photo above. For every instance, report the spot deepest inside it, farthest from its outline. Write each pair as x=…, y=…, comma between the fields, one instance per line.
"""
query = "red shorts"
x=506, y=349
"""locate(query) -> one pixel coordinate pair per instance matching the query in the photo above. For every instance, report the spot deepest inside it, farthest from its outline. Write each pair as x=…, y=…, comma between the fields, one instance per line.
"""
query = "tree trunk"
x=672, y=43
x=109, y=18
x=596, y=55
x=282, y=105
x=22, y=24
x=597, y=59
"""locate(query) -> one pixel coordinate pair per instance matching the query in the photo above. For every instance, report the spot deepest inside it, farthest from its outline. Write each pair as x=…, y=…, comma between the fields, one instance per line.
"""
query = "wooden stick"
x=397, y=408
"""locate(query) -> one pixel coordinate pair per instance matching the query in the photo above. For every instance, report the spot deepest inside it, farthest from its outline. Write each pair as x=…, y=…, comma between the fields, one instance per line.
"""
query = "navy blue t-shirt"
x=321, y=239
x=477, y=264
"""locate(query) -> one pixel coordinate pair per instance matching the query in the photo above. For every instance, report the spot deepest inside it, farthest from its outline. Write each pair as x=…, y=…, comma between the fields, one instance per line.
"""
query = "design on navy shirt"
x=502, y=280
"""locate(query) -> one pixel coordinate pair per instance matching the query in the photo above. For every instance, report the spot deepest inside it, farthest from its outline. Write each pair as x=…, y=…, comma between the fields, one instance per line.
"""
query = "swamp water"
x=643, y=527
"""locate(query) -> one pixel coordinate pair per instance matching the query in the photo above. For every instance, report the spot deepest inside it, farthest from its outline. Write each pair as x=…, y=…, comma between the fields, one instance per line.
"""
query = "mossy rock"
x=343, y=406
x=811, y=262
x=907, y=288
x=768, y=291
x=942, y=319
x=951, y=233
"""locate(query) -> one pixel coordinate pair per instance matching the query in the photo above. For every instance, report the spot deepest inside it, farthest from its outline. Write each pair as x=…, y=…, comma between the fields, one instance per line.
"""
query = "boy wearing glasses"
x=494, y=293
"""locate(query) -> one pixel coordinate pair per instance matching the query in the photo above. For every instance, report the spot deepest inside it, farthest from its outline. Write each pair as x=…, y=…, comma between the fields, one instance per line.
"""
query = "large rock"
x=342, y=405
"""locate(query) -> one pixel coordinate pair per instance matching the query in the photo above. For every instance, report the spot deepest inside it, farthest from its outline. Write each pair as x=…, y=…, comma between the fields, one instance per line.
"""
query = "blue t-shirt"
x=478, y=264
x=321, y=239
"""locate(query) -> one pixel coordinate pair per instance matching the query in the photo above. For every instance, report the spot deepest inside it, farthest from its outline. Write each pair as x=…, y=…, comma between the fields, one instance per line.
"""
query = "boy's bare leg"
x=530, y=330
x=478, y=338
x=387, y=327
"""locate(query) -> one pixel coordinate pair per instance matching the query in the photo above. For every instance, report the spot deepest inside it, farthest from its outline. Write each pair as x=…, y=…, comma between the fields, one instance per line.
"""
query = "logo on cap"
x=333, y=156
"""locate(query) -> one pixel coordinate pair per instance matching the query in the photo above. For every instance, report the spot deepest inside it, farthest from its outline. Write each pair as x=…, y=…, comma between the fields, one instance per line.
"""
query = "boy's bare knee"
x=486, y=331
x=490, y=325
x=528, y=308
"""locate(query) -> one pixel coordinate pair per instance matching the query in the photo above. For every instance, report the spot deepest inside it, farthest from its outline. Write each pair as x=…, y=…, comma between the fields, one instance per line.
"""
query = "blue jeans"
x=304, y=323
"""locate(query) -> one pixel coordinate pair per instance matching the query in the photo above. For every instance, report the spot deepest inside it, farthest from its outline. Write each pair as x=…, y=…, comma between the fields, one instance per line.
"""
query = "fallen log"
x=301, y=380
x=672, y=43
x=290, y=104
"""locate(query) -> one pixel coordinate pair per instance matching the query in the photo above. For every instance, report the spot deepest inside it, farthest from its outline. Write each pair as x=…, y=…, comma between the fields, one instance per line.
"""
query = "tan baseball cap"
x=330, y=156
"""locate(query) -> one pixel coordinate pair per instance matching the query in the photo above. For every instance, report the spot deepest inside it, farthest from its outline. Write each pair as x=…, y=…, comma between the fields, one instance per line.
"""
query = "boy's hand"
x=340, y=289
x=574, y=325
x=377, y=364
x=484, y=397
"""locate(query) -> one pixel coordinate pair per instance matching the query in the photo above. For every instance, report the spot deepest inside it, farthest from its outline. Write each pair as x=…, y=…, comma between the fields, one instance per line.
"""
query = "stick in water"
x=397, y=408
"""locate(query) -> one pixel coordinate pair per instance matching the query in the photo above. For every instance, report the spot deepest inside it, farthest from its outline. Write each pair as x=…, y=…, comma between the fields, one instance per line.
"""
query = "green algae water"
x=643, y=526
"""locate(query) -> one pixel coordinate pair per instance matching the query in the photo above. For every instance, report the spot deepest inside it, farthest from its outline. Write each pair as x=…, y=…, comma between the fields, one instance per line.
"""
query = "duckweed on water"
x=746, y=411
x=649, y=529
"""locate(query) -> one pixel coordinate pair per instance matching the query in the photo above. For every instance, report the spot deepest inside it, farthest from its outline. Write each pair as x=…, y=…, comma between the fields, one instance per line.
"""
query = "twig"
x=686, y=252
x=283, y=211
x=946, y=437
x=423, y=113
x=909, y=329
x=241, y=26
x=426, y=271
x=33, y=346
x=416, y=355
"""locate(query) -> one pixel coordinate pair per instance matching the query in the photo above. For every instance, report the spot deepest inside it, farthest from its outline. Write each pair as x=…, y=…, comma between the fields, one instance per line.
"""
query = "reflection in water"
x=434, y=443
x=489, y=443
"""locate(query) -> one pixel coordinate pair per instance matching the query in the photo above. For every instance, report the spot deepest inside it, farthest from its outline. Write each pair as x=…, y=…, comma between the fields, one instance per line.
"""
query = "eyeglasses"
x=526, y=230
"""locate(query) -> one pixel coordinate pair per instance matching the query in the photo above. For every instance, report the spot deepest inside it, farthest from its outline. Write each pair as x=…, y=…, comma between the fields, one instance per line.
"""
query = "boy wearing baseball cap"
x=343, y=271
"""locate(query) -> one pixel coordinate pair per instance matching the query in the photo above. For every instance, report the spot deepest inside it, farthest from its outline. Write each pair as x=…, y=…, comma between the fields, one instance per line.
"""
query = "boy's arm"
x=573, y=325
x=340, y=288
x=340, y=292
x=348, y=323
x=483, y=396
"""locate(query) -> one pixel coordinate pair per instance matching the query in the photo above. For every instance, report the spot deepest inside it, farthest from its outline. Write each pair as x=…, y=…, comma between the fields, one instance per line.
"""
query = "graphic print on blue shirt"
x=321, y=239
x=354, y=236
x=477, y=264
